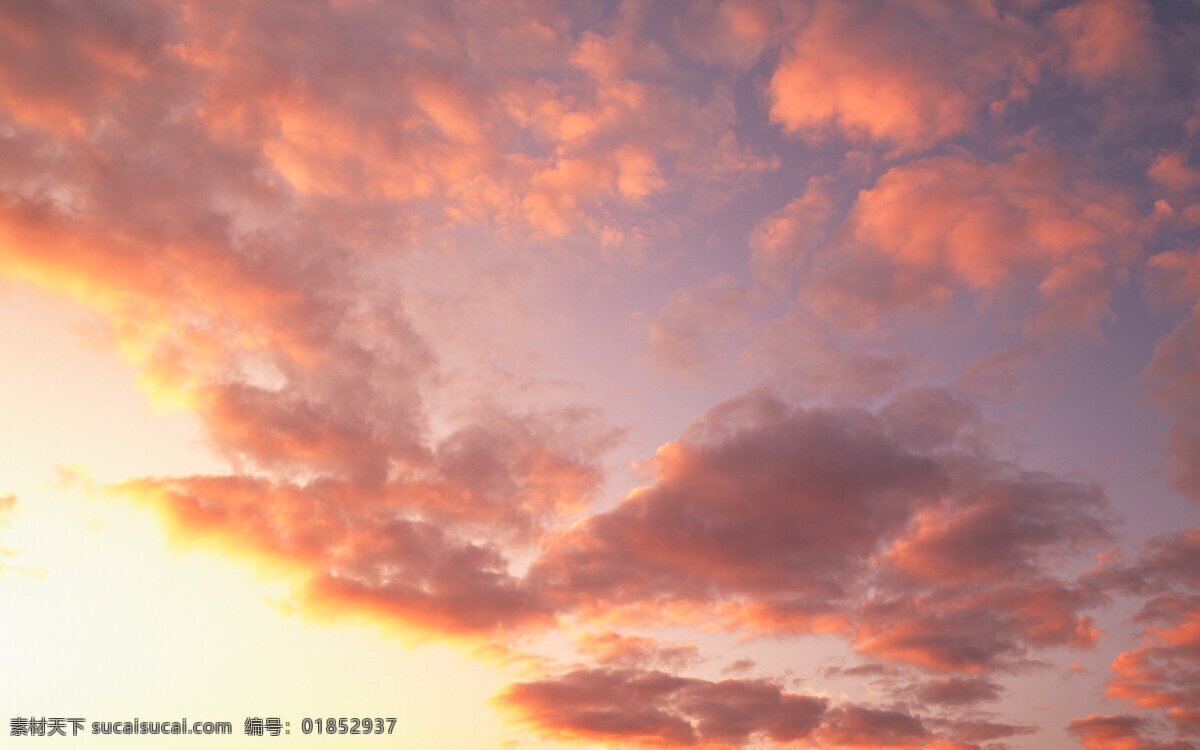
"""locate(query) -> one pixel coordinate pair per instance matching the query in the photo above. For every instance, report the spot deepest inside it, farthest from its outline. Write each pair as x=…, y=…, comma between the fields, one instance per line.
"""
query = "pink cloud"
x=978, y=629
x=865, y=727
x=1161, y=673
x=1118, y=733
x=681, y=338
x=223, y=185
x=60, y=67
x=739, y=666
x=729, y=32
x=970, y=731
x=757, y=480
x=905, y=75
x=1174, y=368
x=612, y=649
x=395, y=529
x=795, y=354
x=218, y=204
x=958, y=691
x=1000, y=533
x=1171, y=170
x=1107, y=39
x=654, y=709
x=779, y=243
x=1031, y=231
x=614, y=134
x=778, y=519
x=1173, y=278
x=511, y=474
x=556, y=137
x=358, y=554
x=657, y=709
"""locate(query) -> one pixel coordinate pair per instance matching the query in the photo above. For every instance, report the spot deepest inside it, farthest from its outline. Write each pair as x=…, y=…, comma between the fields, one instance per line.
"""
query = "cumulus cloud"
x=901, y=74
x=424, y=540
x=745, y=505
x=1162, y=673
x=217, y=184
x=1108, y=39
x=1171, y=170
x=889, y=531
x=1029, y=231
x=357, y=551
x=654, y=708
x=236, y=191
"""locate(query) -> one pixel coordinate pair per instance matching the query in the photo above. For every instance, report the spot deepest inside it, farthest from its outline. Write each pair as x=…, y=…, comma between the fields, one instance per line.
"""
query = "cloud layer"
x=420, y=268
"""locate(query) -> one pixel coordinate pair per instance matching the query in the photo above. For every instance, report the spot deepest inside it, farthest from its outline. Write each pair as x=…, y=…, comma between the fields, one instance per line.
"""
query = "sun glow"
x=109, y=619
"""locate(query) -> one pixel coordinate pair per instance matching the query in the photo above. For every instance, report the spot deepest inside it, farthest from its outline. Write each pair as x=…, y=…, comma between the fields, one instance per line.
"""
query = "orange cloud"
x=233, y=190
x=894, y=530
x=1119, y=733
x=757, y=478
x=933, y=230
x=976, y=630
x=901, y=74
x=610, y=648
x=1161, y=673
x=549, y=138
x=355, y=553
x=1172, y=172
x=1107, y=39
x=62, y=68
x=394, y=528
x=653, y=709
x=656, y=709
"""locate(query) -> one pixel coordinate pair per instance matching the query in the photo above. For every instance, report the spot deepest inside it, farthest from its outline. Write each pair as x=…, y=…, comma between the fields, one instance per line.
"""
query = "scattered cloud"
x=1118, y=733
x=1032, y=232
x=612, y=649
x=1163, y=671
x=903, y=75
x=328, y=229
x=884, y=528
x=654, y=708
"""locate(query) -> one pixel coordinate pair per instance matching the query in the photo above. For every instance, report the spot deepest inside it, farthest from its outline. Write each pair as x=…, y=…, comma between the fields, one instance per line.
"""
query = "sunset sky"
x=811, y=374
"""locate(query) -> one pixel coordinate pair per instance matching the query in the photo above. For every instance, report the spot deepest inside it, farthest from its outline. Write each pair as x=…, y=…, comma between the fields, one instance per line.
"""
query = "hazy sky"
x=603, y=374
